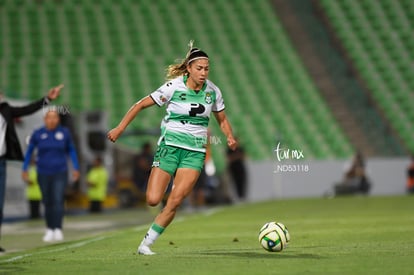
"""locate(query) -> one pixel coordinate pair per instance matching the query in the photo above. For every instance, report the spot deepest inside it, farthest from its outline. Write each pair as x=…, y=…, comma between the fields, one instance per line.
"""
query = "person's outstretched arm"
x=146, y=102
x=35, y=106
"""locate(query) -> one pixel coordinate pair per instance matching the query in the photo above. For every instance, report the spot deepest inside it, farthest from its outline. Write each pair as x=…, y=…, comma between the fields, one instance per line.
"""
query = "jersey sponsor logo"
x=59, y=135
x=208, y=98
x=196, y=108
x=163, y=98
x=43, y=136
x=201, y=141
x=183, y=96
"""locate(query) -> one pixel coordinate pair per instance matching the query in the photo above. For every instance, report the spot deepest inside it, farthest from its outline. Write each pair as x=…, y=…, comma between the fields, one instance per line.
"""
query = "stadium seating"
x=378, y=37
x=111, y=53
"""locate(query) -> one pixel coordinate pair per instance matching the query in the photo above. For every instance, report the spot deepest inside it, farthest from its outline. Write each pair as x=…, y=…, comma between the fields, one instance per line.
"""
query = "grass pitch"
x=352, y=235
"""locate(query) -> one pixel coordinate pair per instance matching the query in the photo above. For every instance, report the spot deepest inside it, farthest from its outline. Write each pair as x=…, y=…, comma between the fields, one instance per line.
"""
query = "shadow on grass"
x=260, y=255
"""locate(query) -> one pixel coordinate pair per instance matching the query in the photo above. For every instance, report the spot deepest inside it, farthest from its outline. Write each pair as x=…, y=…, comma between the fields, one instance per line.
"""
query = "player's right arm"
x=159, y=97
x=146, y=102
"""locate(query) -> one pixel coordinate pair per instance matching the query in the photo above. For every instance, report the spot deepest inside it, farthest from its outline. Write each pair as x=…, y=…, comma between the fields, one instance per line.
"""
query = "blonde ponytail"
x=176, y=70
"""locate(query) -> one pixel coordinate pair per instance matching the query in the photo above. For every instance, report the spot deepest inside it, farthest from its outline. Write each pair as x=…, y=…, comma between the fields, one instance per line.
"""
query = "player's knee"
x=152, y=203
x=152, y=200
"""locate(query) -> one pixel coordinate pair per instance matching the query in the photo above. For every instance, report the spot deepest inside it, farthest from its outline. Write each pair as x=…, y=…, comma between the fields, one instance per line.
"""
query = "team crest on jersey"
x=208, y=98
x=59, y=136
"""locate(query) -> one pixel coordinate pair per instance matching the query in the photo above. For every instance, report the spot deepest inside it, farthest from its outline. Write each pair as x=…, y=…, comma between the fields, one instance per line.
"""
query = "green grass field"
x=354, y=235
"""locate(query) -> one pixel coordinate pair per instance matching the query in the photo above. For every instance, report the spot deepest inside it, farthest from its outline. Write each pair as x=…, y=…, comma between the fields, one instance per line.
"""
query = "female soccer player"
x=190, y=98
x=54, y=144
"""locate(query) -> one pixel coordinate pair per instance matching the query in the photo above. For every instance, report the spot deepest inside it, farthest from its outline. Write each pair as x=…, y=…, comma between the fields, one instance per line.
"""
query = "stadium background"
x=327, y=77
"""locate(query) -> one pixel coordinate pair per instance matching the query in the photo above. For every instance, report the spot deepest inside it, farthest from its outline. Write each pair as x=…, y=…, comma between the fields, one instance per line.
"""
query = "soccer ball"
x=274, y=236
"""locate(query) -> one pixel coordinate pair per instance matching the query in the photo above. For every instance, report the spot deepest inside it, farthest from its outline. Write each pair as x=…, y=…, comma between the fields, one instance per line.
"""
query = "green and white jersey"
x=188, y=112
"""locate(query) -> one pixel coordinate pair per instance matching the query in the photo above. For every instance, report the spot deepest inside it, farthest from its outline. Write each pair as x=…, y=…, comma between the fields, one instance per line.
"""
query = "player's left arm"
x=225, y=126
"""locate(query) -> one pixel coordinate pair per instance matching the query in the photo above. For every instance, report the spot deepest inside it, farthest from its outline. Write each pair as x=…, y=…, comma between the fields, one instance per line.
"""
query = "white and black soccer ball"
x=274, y=236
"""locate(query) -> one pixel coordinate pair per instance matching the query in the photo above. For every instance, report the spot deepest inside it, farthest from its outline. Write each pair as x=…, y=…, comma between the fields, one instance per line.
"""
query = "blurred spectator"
x=97, y=180
x=54, y=144
x=9, y=143
x=142, y=166
x=410, y=176
x=355, y=178
x=237, y=170
x=33, y=193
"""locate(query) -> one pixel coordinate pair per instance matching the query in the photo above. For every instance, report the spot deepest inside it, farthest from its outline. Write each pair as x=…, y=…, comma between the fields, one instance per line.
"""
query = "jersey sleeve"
x=163, y=94
x=219, y=102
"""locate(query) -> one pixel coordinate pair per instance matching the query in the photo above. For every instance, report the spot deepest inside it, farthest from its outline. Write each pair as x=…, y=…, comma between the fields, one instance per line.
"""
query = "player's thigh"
x=157, y=185
x=184, y=182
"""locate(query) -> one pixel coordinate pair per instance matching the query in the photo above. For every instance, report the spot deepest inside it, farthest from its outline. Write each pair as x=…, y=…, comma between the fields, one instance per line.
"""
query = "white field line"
x=100, y=238
x=74, y=245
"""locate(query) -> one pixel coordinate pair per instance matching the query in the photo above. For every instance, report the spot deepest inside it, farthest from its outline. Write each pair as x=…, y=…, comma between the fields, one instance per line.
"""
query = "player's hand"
x=232, y=143
x=75, y=175
x=54, y=92
x=25, y=176
x=114, y=134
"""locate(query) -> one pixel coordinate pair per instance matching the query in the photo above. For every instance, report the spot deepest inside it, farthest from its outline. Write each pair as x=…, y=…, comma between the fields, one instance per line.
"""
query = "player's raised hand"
x=114, y=134
x=54, y=92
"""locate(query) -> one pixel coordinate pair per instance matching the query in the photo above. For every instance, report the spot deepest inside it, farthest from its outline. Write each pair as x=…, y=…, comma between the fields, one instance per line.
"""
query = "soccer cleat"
x=49, y=236
x=144, y=250
x=58, y=235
